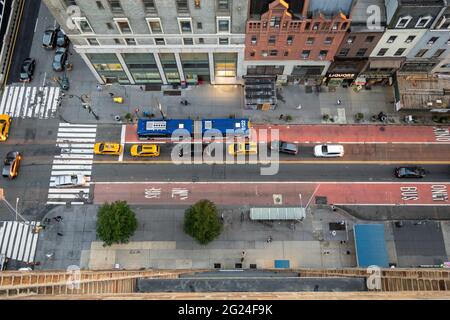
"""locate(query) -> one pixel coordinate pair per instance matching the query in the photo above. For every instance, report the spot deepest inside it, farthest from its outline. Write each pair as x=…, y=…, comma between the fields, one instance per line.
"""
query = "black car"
x=49, y=39
x=409, y=172
x=193, y=149
x=60, y=59
x=12, y=164
x=27, y=70
x=61, y=39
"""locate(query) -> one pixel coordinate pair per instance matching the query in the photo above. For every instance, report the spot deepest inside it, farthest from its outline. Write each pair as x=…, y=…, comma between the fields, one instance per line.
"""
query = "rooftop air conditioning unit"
x=390, y=41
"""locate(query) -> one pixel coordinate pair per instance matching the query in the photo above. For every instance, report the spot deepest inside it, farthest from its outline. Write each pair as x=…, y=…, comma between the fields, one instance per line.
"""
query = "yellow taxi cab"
x=108, y=148
x=5, y=123
x=145, y=150
x=243, y=148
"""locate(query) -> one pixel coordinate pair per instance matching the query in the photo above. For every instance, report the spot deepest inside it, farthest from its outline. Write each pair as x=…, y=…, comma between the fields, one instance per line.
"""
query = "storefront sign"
x=341, y=75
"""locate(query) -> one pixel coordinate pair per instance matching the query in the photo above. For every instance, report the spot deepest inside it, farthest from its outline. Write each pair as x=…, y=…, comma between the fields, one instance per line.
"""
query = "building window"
x=328, y=40
x=130, y=41
x=273, y=53
x=382, y=52
x=305, y=54
x=115, y=6
x=272, y=40
x=410, y=39
x=195, y=67
x=254, y=39
x=201, y=41
x=92, y=41
x=403, y=22
x=108, y=67
x=170, y=68
x=351, y=39
x=286, y=53
x=344, y=26
x=142, y=67
x=109, y=25
x=252, y=53
x=199, y=25
x=223, y=24
x=399, y=52
x=149, y=6
x=423, y=22
x=155, y=25
x=123, y=25
x=323, y=54
x=160, y=41
x=335, y=26
x=361, y=52
x=290, y=40
x=225, y=64
x=118, y=41
x=391, y=39
x=344, y=52
x=99, y=5
x=421, y=53
x=264, y=53
x=316, y=26
x=433, y=40
x=370, y=38
x=224, y=41
x=197, y=4
x=275, y=22
x=438, y=53
x=83, y=25
x=223, y=4
x=182, y=6
x=185, y=25
x=188, y=41
x=310, y=40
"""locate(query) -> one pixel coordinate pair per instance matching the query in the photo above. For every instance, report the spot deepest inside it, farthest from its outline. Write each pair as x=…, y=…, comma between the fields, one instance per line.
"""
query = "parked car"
x=145, y=150
x=5, y=124
x=193, y=149
x=329, y=150
x=108, y=148
x=49, y=39
x=62, y=41
x=60, y=59
x=68, y=181
x=409, y=172
x=243, y=148
x=27, y=69
x=12, y=164
x=284, y=147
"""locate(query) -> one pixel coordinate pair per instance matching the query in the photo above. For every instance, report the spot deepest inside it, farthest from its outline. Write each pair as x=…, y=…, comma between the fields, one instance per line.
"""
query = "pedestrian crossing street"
x=17, y=240
x=30, y=102
x=76, y=142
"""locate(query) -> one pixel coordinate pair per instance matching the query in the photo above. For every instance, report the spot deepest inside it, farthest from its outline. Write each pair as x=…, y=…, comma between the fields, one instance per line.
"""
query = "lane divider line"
x=122, y=142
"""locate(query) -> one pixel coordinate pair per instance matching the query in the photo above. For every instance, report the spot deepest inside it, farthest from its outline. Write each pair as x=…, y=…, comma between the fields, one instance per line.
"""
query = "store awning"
x=277, y=213
x=385, y=64
x=370, y=245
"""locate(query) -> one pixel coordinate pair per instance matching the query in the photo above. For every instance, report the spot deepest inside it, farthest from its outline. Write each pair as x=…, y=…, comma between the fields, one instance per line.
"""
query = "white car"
x=75, y=180
x=329, y=150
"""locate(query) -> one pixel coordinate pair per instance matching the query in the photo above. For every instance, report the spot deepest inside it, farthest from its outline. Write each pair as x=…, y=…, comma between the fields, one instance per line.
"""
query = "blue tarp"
x=281, y=264
x=370, y=245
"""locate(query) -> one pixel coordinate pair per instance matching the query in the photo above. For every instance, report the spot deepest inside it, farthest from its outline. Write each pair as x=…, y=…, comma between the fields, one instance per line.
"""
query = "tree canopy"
x=201, y=221
x=116, y=223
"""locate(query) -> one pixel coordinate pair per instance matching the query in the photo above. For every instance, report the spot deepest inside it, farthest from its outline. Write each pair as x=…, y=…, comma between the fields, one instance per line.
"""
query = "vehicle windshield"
x=139, y=149
x=324, y=149
x=101, y=147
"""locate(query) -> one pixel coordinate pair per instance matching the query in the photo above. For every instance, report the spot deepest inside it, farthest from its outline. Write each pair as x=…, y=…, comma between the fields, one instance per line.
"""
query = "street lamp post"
x=9, y=206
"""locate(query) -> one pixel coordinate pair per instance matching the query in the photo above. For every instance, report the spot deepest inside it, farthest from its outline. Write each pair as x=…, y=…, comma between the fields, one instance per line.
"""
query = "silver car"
x=75, y=180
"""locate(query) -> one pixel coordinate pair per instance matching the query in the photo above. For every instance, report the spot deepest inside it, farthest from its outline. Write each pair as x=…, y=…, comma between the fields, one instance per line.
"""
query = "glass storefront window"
x=142, y=67
x=169, y=65
x=225, y=64
x=195, y=67
x=108, y=67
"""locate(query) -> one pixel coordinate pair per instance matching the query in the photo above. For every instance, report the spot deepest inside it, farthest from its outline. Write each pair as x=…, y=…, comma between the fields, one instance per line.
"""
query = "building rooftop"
x=330, y=7
x=424, y=92
x=421, y=3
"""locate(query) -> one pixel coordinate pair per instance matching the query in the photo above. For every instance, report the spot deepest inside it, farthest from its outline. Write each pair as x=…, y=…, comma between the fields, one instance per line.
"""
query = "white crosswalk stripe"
x=17, y=240
x=30, y=102
x=76, y=143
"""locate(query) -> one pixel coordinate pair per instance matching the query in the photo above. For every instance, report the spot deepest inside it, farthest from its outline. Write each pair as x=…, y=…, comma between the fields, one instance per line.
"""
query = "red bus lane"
x=340, y=133
x=274, y=193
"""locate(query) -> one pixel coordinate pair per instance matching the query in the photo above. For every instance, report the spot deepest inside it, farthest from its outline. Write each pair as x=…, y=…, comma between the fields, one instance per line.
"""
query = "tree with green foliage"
x=116, y=223
x=201, y=221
